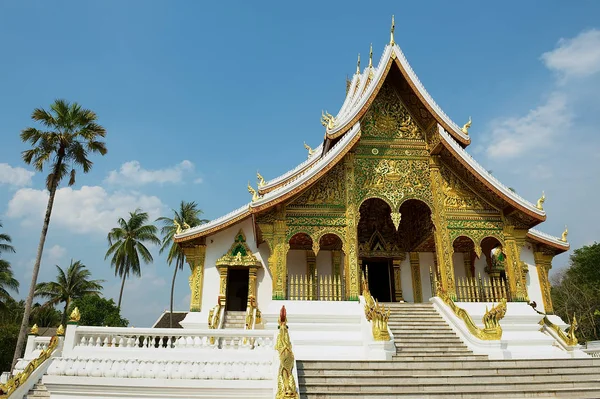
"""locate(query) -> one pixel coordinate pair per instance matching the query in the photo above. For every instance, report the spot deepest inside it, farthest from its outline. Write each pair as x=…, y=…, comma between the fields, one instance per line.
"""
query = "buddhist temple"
x=388, y=263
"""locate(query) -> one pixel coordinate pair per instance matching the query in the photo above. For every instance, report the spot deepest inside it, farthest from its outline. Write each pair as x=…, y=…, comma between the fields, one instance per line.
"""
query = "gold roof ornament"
x=466, y=126
x=253, y=192
x=392, y=42
x=186, y=226
x=358, y=65
x=177, y=226
x=75, y=316
x=565, y=233
x=34, y=330
x=540, y=202
x=261, y=180
x=310, y=150
x=371, y=56
x=60, y=330
x=327, y=120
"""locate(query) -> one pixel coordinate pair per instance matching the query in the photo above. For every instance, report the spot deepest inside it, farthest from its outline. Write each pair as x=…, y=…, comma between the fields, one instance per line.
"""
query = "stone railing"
x=315, y=288
x=81, y=339
x=481, y=289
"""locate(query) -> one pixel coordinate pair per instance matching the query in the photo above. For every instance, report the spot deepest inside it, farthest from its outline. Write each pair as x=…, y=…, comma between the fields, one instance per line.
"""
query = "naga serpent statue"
x=286, y=384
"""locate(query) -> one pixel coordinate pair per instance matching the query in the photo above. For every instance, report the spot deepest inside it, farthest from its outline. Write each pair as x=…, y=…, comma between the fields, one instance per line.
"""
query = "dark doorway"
x=379, y=279
x=237, y=289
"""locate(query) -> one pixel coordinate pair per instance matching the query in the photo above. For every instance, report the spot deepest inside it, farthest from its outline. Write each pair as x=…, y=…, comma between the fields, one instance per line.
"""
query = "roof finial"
x=565, y=233
x=392, y=32
x=466, y=126
x=540, y=202
x=371, y=56
x=358, y=65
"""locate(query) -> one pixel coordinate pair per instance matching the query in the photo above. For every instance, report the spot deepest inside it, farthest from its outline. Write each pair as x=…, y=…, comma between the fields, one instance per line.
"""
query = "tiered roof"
x=345, y=132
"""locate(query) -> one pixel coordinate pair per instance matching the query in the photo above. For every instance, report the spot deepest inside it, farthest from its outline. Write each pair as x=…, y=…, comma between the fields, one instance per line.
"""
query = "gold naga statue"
x=286, y=384
x=252, y=191
x=309, y=149
x=466, y=126
x=327, y=120
x=177, y=226
x=261, y=180
x=564, y=235
x=540, y=202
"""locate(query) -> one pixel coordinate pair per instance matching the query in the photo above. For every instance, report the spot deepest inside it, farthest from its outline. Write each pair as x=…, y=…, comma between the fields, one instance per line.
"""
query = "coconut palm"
x=126, y=245
x=68, y=134
x=7, y=279
x=189, y=213
x=74, y=283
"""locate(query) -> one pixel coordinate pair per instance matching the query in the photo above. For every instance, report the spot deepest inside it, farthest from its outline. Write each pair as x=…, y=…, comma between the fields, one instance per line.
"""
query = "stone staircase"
x=38, y=391
x=234, y=319
x=432, y=363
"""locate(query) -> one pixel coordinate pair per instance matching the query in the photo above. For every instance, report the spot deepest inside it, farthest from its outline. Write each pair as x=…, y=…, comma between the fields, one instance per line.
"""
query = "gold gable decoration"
x=239, y=254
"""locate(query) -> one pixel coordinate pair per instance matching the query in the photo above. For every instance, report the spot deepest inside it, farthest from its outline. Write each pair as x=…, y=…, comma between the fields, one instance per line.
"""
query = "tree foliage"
x=576, y=291
x=7, y=280
x=98, y=311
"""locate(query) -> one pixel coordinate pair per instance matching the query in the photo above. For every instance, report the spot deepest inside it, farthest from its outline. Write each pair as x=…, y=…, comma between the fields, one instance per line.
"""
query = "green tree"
x=73, y=284
x=45, y=316
x=68, y=134
x=7, y=279
x=577, y=292
x=189, y=213
x=98, y=311
x=126, y=246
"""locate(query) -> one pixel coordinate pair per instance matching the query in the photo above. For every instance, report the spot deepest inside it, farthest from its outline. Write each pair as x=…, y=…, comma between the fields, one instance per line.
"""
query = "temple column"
x=252, y=284
x=311, y=271
x=443, y=247
x=516, y=270
x=336, y=263
x=277, y=260
x=543, y=263
x=468, y=261
x=396, y=263
x=415, y=271
x=195, y=257
x=351, y=242
x=222, y=285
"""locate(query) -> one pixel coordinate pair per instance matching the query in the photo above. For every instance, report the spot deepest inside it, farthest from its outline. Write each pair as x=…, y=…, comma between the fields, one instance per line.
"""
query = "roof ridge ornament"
x=540, y=202
x=466, y=126
x=358, y=65
x=252, y=191
x=371, y=56
x=310, y=150
x=392, y=42
x=261, y=180
x=327, y=120
x=565, y=233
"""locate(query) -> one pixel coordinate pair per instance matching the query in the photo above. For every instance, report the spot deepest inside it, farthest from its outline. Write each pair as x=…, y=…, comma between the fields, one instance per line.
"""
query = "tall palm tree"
x=68, y=134
x=126, y=245
x=188, y=213
x=7, y=279
x=74, y=283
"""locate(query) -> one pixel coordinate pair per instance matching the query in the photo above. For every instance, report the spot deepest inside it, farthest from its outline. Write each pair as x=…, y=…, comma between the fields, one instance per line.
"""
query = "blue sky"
x=197, y=96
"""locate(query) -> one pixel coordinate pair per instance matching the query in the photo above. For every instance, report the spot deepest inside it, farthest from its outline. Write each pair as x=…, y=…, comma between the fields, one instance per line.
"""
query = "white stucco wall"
x=533, y=281
x=480, y=265
x=296, y=262
x=426, y=261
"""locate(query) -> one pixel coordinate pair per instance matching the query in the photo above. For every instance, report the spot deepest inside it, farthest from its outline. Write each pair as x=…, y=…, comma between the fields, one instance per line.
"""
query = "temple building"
x=389, y=263
x=390, y=195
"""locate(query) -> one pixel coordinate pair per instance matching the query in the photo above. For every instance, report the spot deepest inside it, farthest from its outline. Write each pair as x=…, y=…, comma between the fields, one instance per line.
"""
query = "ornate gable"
x=239, y=254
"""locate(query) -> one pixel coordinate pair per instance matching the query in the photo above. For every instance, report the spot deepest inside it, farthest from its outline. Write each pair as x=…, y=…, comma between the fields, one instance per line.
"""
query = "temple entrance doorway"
x=237, y=289
x=378, y=275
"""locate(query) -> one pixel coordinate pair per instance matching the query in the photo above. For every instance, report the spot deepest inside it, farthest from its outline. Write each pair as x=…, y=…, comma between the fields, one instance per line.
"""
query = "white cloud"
x=15, y=176
x=198, y=180
x=55, y=253
x=576, y=57
x=132, y=174
x=89, y=209
x=516, y=136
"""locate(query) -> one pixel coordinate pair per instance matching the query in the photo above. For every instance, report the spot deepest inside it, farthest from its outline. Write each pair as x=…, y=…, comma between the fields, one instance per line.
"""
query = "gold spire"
x=371, y=56
x=358, y=65
x=565, y=234
x=392, y=42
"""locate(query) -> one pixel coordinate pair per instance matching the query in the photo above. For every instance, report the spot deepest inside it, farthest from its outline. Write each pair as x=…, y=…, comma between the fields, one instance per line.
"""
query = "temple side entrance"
x=237, y=289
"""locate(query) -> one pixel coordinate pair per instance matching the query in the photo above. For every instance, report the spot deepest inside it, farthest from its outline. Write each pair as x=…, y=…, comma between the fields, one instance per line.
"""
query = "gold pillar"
x=311, y=263
x=543, y=263
x=222, y=285
x=277, y=260
x=252, y=284
x=468, y=261
x=351, y=243
x=195, y=257
x=443, y=247
x=397, y=280
x=516, y=270
x=415, y=271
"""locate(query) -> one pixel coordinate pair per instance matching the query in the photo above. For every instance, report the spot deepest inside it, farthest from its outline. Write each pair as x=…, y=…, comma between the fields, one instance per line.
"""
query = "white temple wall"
x=534, y=289
x=264, y=280
x=458, y=260
x=296, y=262
x=324, y=263
x=406, y=280
x=426, y=261
x=480, y=265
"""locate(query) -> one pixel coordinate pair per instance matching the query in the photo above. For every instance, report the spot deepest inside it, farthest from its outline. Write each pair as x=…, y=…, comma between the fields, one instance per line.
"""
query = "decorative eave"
x=555, y=243
x=490, y=181
x=280, y=194
x=364, y=89
x=293, y=173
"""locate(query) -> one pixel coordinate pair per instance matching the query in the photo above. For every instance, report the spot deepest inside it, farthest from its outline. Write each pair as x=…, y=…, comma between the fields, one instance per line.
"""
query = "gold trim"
x=569, y=337
x=376, y=313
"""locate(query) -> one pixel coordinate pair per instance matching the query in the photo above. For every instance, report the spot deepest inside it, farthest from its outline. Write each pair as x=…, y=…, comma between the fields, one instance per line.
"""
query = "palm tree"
x=126, y=245
x=188, y=213
x=68, y=135
x=73, y=284
x=7, y=279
